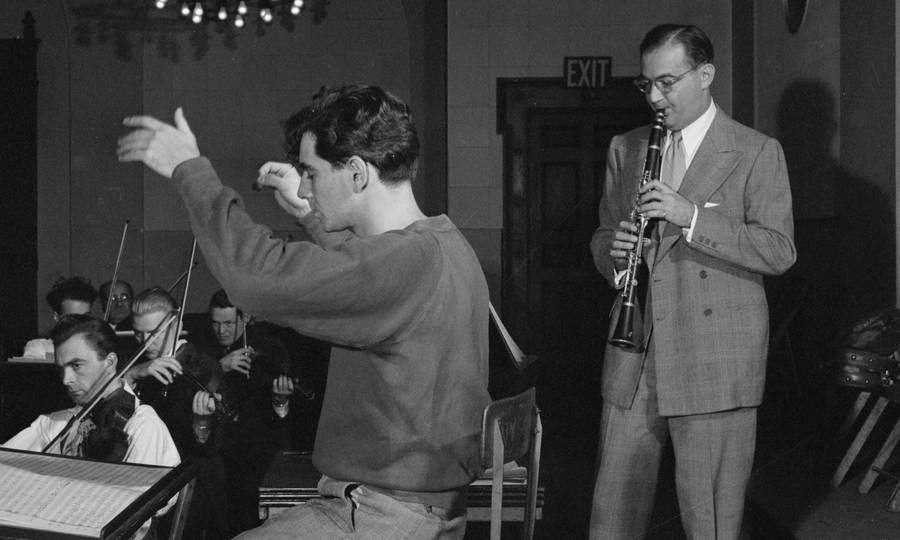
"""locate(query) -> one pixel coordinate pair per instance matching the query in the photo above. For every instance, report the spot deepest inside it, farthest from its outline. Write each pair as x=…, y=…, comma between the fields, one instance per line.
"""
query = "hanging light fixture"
x=237, y=11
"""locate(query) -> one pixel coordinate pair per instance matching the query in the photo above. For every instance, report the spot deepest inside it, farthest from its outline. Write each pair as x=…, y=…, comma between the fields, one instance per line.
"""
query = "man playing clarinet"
x=722, y=209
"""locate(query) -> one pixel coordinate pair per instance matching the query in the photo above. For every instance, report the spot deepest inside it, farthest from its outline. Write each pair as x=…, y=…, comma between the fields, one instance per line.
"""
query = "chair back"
x=515, y=416
x=510, y=430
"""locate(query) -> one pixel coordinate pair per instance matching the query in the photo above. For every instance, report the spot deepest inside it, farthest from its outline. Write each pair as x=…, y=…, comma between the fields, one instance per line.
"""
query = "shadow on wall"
x=101, y=21
x=844, y=233
x=844, y=223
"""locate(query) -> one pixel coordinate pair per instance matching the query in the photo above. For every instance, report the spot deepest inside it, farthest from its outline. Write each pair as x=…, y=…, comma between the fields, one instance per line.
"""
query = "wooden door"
x=554, y=300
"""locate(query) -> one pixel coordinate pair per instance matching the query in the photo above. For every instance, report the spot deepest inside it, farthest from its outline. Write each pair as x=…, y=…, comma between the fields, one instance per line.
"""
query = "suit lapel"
x=714, y=161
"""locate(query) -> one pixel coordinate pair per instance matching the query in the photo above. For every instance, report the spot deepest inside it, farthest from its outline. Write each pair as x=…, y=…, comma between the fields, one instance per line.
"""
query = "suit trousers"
x=713, y=461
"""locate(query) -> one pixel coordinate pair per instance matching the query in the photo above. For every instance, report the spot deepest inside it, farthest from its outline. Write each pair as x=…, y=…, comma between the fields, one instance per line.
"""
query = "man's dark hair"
x=364, y=121
x=220, y=300
x=104, y=290
x=72, y=288
x=697, y=45
x=95, y=331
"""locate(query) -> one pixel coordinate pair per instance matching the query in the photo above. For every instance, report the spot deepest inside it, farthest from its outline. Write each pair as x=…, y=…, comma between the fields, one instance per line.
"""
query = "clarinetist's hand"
x=659, y=200
x=623, y=243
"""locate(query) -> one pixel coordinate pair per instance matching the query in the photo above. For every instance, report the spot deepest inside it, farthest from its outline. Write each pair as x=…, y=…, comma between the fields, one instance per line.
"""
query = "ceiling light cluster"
x=237, y=11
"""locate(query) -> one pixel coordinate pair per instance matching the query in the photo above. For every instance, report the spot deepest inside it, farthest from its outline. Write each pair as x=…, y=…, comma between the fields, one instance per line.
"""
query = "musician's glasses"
x=664, y=84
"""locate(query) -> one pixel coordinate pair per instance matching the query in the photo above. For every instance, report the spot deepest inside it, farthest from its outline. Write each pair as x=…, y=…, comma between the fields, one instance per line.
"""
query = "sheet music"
x=68, y=495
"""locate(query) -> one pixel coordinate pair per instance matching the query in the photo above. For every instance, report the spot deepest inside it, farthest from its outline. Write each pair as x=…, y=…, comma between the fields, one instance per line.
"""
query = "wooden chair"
x=510, y=430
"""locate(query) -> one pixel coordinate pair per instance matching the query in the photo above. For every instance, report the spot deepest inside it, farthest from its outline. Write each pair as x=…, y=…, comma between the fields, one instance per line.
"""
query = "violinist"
x=119, y=315
x=67, y=296
x=120, y=428
x=167, y=375
x=239, y=448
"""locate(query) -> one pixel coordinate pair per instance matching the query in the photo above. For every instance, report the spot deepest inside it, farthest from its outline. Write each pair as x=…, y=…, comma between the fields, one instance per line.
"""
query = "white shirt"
x=149, y=441
x=691, y=136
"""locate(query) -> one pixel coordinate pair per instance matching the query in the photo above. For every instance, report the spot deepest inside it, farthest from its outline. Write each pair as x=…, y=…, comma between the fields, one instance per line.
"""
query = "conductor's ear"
x=360, y=171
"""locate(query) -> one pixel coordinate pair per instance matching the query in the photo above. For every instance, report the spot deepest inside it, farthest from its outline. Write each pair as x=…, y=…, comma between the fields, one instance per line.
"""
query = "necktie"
x=673, y=162
x=672, y=172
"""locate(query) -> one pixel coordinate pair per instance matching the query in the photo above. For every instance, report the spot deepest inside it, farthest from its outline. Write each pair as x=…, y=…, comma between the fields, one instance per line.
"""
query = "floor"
x=799, y=445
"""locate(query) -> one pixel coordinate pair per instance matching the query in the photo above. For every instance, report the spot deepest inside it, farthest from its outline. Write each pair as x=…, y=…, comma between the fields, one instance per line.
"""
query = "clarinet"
x=628, y=322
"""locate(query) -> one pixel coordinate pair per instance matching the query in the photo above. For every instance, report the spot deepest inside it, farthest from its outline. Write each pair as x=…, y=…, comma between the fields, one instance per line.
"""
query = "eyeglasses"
x=121, y=298
x=664, y=83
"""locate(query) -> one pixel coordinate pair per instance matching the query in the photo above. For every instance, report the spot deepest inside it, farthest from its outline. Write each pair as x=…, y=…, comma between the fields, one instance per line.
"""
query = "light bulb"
x=198, y=10
x=295, y=10
x=185, y=9
x=197, y=19
x=223, y=13
x=238, y=21
x=160, y=4
x=242, y=8
x=266, y=15
x=298, y=3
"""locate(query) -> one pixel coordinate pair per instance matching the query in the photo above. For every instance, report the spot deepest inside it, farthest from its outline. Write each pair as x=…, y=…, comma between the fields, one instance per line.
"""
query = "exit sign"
x=587, y=71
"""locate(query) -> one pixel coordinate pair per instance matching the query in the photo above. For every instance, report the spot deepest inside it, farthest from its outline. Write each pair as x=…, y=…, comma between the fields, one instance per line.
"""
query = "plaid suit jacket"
x=709, y=313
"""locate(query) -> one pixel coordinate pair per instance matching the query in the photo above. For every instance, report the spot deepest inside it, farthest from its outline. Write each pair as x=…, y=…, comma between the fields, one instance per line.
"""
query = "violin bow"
x=179, y=279
x=112, y=285
x=184, y=296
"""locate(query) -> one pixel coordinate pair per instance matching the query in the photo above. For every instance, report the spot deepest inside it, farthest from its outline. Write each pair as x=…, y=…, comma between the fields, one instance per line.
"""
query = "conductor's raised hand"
x=160, y=146
x=285, y=180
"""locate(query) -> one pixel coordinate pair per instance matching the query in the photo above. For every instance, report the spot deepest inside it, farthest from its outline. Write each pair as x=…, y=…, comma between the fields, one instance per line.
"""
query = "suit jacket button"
x=703, y=274
x=707, y=312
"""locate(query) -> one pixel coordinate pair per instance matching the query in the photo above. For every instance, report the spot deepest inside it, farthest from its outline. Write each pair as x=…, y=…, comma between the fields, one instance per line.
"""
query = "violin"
x=102, y=432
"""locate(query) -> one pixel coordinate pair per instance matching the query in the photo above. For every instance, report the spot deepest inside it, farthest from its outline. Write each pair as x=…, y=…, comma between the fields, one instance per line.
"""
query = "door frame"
x=516, y=97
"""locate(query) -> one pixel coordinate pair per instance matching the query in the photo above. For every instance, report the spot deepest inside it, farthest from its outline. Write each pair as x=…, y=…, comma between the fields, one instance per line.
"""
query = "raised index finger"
x=143, y=121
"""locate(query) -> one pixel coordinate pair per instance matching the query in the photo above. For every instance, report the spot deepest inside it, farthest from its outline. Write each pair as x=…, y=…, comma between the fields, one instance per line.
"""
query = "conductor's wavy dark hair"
x=364, y=121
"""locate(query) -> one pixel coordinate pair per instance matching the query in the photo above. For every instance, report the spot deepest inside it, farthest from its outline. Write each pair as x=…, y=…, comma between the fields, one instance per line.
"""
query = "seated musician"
x=119, y=428
x=119, y=316
x=254, y=356
x=171, y=370
x=261, y=381
x=67, y=296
